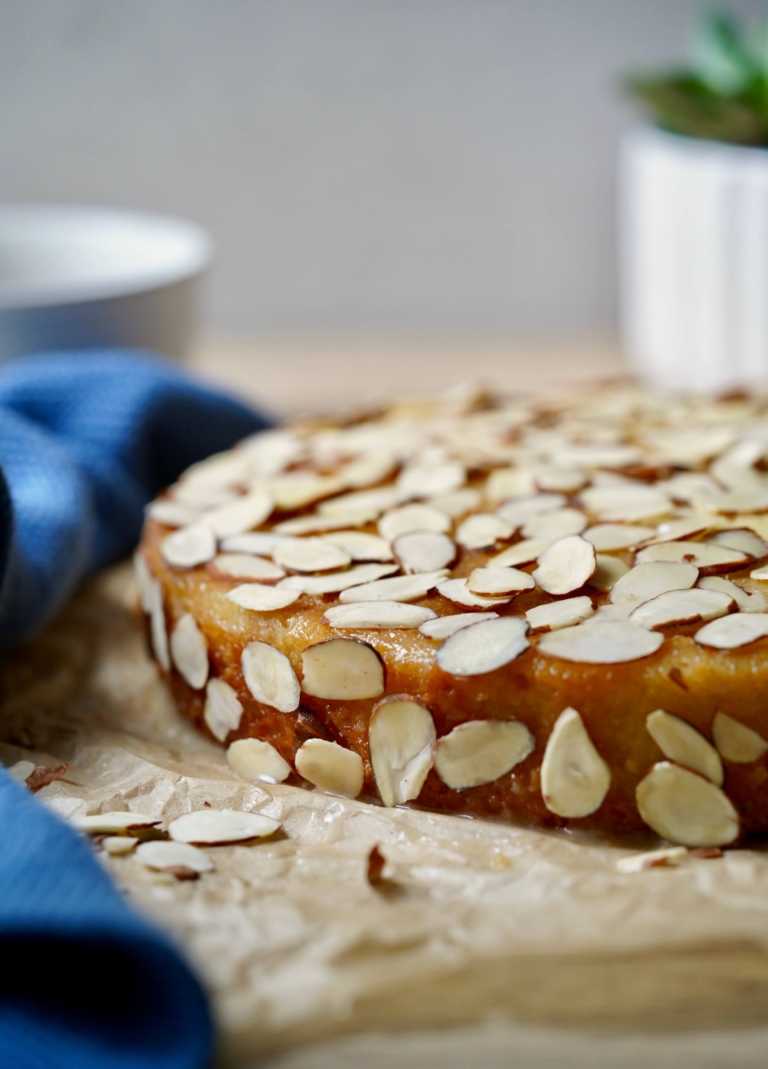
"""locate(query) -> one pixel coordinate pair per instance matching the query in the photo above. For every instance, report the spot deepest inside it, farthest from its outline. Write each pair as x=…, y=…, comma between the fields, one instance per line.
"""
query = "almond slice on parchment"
x=574, y=777
x=342, y=669
x=424, y=551
x=680, y=742
x=648, y=580
x=330, y=767
x=258, y=597
x=269, y=677
x=310, y=555
x=682, y=607
x=745, y=600
x=482, y=531
x=492, y=582
x=524, y=552
x=520, y=510
x=445, y=626
x=223, y=709
x=601, y=642
x=706, y=556
x=483, y=647
x=608, y=571
x=165, y=855
x=686, y=808
x=398, y=588
x=221, y=827
x=407, y=518
x=554, y=525
x=566, y=565
x=401, y=740
x=610, y=537
x=115, y=822
x=665, y=857
x=736, y=742
x=361, y=545
x=480, y=751
x=245, y=567
x=189, y=546
x=378, y=614
x=119, y=845
x=456, y=590
x=731, y=632
x=189, y=651
x=255, y=760
x=556, y=614
x=359, y=575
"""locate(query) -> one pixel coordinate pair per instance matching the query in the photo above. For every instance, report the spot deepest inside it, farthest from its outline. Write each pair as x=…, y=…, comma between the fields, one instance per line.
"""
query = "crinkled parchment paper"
x=477, y=921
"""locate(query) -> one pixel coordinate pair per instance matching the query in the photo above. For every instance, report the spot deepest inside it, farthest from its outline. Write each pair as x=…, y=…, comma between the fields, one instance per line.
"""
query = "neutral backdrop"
x=406, y=164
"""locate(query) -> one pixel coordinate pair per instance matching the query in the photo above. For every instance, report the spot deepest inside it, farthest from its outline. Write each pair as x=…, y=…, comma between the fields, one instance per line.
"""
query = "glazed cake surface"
x=548, y=610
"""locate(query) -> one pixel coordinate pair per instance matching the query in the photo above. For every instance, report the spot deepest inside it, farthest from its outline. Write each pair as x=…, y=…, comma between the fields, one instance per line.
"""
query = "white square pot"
x=694, y=261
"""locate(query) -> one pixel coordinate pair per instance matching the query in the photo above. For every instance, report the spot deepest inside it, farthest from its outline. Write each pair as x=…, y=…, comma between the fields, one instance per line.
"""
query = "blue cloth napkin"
x=86, y=440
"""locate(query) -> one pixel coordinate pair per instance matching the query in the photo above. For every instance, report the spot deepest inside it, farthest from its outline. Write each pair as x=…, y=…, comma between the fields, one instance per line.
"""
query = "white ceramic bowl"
x=82, y=277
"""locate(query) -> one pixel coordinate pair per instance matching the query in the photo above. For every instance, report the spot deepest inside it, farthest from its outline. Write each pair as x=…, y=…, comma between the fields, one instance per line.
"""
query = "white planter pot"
x=694, y=261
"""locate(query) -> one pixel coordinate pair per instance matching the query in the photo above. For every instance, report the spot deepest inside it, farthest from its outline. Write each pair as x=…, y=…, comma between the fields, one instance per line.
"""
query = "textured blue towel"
x=85, y=441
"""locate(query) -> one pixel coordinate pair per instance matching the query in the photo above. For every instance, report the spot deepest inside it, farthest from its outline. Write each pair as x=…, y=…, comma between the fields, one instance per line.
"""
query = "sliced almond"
x=736, y=742
x=378, y=614
x=731, y=632
x=483, y=647
x=361, y=546
x=401, y=740
x=524, y=552
x=171, y=513
x=505, y=483
x=680, y=742
x=240, y=515
x=115, y=822
x=625, y=503
x=424, y=551
x=430, y=480
x=566, y=565
x=492, y=582
x=445, y=626
x=745, y=601
x=519, y=511
x=222, y=710
x=608, y=571
x=398, y=588
x=574, y=777
x=482, y=531
x=342, y=669
x=331, y=584
x=481, y=751
x=320, y=524
x=255, y=760
x=456, y=590
x=728, y=503
x=567, y=480
x=297, y=489
x=158, y=631
x=557, y=614
x=653, y=859
x=261, y=598
x=166, y=854
x=682, y=607
x=706, y=556
x=330, y=767
x=409, y=518
x=743, y=540
x=259, y=543
x=118, y=845
x=685, y=808
x=554, y=525
x=245, y=566
x=373, y=501
x=601, y=642
x=310, y=555
x=648, y=580
x=221, y=827
x=459, y=503
x=610, y=537
x=689, y=526
x=759, y=573
x=189, y=651
x=189, y=546
x=269, y=677
x=144, y=582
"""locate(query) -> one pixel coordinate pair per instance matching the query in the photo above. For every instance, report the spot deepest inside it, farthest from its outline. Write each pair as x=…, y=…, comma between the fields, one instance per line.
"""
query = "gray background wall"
x=400, y=164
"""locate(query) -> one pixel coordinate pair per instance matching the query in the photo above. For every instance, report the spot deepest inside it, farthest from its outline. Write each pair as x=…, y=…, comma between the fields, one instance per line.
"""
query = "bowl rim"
x=193, y=253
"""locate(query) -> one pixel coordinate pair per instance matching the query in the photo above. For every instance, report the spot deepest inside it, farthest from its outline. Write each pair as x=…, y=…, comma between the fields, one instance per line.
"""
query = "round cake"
x=545, y=610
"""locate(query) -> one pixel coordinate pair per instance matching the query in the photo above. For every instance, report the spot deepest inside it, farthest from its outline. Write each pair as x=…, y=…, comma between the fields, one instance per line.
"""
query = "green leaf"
x=720, y=57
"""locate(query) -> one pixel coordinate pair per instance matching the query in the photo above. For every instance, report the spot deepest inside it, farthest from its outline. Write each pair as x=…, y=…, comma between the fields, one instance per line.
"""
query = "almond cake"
x=546, y=610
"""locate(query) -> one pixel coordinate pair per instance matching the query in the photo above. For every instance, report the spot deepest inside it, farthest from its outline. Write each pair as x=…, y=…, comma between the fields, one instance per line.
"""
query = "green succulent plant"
x=723, y=92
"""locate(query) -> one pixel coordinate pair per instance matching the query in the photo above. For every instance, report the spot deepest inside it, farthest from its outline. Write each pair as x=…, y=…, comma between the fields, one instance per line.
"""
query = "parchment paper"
x=477, y=920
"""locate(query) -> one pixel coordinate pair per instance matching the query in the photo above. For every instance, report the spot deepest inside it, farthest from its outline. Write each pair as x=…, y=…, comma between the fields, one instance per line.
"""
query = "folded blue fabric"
x=86, y=440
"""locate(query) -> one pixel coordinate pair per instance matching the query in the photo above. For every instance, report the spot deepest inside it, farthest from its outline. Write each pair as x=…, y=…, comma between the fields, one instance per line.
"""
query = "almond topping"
x=144, y=582
x=240, y=515
x=245, y=566
x=682, y=607
x=342, y=669
x=745, y=601
x=189, y=546
x=360, y=545
x=259, y=543
x=376, y=501
x=648, y=580
x=517, y=512
x=189, y=651
x=221, y=827
x=743, y=540
x=505, y=483
x=480, y=751
x=409, y=518
x=118, y=845
x=330, y=767
x=310, y=555
x=158, y=630
x=378, y=614
x=524, y=552
x=113, y=823
x=680, y=742
x=555, y=525
x=401, y=740
x=257, y=597
x=557, y=614
x=332, y=584
x=269, y=677
x=430, y=480
x=730, y=632
x=424, y=551
x=162, y=855
x=601, y=642
x=223, y=709
x=672, y=530
x=625, y=502
x=482, y=531
x=456, y=590
x=398, y=588
x=653, y=859
x=736, y=742
x=459, y=503
x=566, y=565
x=172, y=513
x=318, y=524
x=445, y=626
x=254, y=760
x=483, y=647
x=706, y=556
x=759, y=573
x=685, y=808
x=609, y=537
x=608, y=571
x=497, y=582
x=574, y=777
